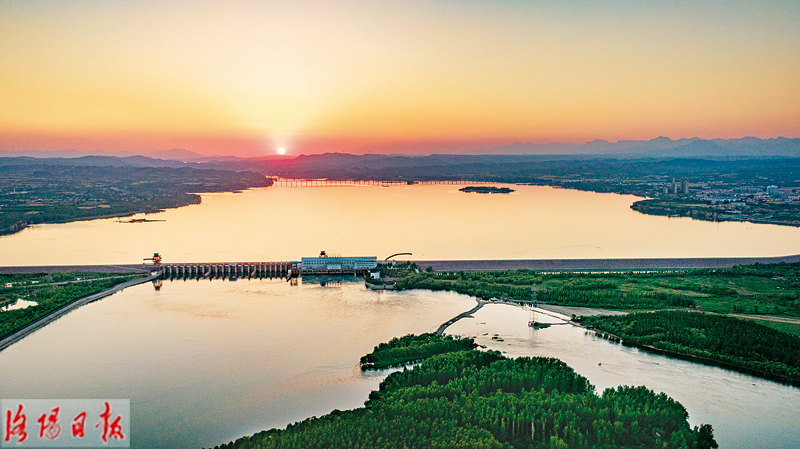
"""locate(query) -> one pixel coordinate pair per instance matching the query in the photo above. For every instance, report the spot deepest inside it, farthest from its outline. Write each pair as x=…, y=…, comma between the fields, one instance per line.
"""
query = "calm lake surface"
x=205, y=362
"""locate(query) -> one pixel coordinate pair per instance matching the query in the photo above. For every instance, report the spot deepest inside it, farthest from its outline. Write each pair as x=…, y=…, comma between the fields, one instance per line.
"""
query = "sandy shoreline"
x=579, y=311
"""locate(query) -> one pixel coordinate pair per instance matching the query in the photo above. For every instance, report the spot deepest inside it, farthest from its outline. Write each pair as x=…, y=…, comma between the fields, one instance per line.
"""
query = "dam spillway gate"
x=238, y=270
x=245, y=270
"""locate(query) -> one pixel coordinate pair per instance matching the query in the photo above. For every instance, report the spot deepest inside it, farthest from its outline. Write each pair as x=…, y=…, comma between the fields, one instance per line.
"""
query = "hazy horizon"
x=656, y=147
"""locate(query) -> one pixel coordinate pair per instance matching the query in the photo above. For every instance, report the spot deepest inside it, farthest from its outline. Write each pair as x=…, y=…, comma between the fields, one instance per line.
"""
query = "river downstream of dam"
x=204, y=362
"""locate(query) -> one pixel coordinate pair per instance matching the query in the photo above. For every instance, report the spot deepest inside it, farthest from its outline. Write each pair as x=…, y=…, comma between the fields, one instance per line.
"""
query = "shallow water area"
x=18, y=304
x=745, y=411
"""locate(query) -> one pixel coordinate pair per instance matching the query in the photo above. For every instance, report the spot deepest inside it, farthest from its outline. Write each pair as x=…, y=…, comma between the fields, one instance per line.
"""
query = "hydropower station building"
x=338, y=263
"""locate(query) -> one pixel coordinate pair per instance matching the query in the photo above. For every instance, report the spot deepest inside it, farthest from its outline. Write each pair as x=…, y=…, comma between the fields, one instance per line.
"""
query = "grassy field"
x=789, y=328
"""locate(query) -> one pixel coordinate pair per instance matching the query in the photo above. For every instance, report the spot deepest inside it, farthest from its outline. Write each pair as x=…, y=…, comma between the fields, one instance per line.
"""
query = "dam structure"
x=327, y=264
x=324, y=264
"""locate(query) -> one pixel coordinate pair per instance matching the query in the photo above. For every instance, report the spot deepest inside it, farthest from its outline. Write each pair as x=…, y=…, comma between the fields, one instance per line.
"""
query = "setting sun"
x=281, y=150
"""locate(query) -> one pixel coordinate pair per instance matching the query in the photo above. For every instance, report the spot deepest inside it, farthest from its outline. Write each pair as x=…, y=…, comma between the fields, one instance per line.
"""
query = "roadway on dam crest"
x=477, y=265
x=600, y=264
x=131, y=268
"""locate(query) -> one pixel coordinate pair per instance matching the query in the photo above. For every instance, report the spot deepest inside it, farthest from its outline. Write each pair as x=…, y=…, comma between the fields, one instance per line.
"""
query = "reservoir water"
x=204, y=362
x=431, y=221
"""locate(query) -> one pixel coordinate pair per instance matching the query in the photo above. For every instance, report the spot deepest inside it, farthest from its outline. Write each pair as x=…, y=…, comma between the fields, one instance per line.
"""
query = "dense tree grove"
x=751, y=347
x=49, y=298
x=475, y=399
x=614, y=299
x=410, y=348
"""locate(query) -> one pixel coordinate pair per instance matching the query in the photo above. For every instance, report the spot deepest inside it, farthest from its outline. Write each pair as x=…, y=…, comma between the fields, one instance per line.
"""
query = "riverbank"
x=712, y=362
x=751, y=287
x=561, y=313
x=58, y=313
x=710, y=339
x=763, y=212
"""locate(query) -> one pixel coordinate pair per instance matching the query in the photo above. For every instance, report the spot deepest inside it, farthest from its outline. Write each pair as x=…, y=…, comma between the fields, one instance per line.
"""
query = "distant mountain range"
x=519, y=162
x=546, y=169
x=658, y=148
x=663, y=147
x=175, y=154
x=93, y=161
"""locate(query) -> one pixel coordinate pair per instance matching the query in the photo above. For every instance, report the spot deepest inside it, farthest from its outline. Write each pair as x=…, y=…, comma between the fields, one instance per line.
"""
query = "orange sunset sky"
x=244, y=77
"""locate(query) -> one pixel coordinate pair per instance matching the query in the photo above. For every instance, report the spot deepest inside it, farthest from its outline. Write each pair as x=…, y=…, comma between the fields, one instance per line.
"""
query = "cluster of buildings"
x=747, y=194
x=725, y=197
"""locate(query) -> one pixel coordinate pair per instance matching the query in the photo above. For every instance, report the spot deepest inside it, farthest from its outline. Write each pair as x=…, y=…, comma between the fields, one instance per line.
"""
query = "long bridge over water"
x=292, y=182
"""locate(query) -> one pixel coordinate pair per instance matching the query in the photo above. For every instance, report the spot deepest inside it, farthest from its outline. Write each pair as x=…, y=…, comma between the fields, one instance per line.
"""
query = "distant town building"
x=685, y=186
x=772, y=190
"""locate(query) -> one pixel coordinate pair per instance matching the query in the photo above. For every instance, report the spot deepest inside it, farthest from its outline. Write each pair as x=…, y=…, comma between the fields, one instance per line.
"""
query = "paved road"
x=599, y=264
x=70, y=268
x=776, y=319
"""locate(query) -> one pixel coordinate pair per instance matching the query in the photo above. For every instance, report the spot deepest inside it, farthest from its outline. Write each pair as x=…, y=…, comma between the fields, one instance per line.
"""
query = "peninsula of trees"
x=412, y=348
x=470, y=398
